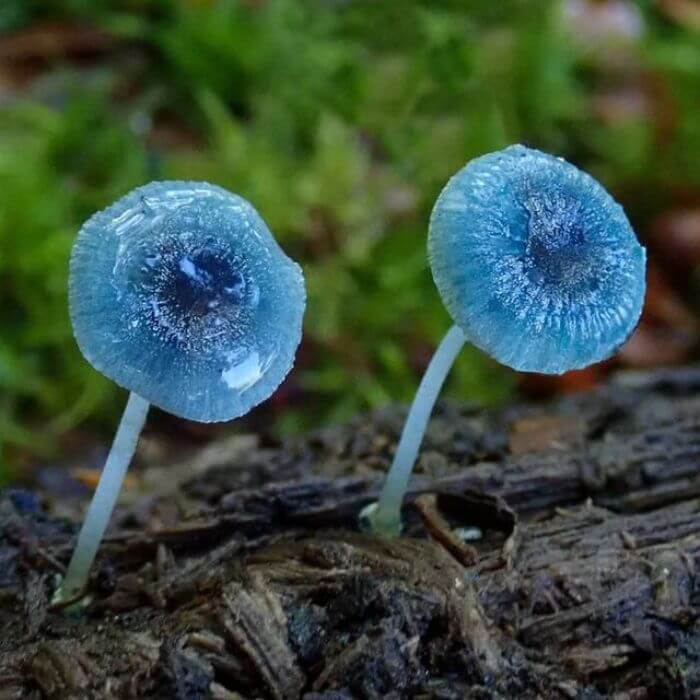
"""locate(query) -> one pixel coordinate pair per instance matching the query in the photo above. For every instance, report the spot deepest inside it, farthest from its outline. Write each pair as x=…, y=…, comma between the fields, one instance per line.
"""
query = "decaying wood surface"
x=552, y=551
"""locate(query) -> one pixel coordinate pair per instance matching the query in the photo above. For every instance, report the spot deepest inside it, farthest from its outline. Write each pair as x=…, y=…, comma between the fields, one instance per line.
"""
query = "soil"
x=551, y=551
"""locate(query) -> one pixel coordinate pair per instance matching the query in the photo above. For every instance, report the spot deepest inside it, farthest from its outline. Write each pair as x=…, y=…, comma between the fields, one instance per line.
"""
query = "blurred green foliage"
x=340, y=120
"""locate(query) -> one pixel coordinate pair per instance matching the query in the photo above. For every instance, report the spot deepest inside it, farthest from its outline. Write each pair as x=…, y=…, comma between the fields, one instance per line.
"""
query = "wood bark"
x=551, y=551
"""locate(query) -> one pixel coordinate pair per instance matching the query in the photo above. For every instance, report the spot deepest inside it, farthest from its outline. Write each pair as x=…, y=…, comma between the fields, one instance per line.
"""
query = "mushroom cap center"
x=194, y=293
x=202, y=281
x=555, y=243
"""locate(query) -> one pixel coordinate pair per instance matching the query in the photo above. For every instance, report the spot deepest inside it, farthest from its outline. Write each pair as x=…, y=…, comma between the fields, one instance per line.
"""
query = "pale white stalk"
x=104, y=499
x=384, y=516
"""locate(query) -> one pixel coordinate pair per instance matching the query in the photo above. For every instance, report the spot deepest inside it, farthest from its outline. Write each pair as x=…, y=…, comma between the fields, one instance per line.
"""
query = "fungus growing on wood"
x=538, y=267
x=180, y=294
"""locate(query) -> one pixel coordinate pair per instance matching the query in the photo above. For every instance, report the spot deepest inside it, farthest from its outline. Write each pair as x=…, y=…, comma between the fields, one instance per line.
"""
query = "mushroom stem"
x=384, y=517
x=104, y=499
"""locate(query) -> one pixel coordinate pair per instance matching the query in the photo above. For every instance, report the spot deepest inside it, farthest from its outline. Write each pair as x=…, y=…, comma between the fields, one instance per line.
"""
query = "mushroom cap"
x=180, y=293
x=536, y=262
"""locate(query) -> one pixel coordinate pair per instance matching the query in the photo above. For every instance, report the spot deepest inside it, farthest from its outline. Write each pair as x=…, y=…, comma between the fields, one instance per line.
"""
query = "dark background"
x=340, y=120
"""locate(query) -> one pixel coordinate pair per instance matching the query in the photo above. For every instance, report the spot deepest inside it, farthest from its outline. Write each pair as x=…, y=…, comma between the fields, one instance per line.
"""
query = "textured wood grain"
x=252, y=579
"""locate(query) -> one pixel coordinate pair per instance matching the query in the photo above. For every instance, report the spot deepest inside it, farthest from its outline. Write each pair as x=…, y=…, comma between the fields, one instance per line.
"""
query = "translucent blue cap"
x=180, y=293
x=536, y=262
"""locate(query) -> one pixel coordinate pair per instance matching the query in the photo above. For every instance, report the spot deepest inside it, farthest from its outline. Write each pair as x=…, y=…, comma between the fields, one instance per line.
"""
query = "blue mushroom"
x=538, y=266
x=180, y=294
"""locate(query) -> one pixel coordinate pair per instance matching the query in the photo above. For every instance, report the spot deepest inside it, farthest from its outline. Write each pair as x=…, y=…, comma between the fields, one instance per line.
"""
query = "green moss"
x=341, y=120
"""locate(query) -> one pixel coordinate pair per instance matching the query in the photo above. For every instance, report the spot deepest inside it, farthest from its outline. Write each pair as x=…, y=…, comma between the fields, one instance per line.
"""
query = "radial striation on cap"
x=536, y=262
x=180, y=293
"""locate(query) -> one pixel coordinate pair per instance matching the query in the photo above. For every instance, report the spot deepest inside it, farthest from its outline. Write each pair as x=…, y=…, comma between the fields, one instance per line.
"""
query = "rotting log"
x=250, y=578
